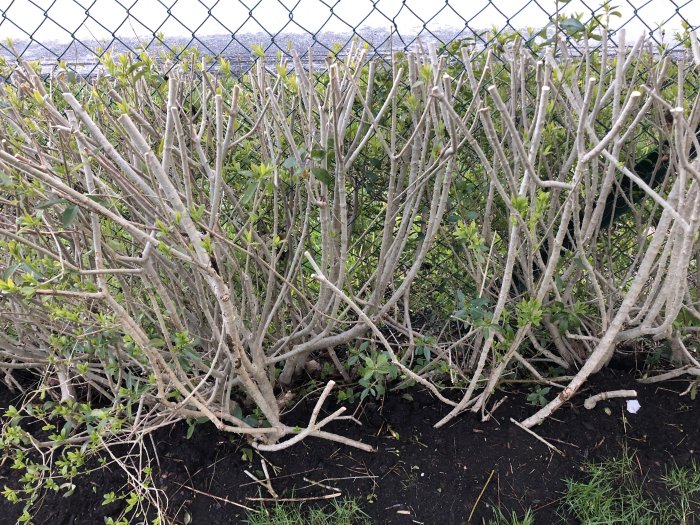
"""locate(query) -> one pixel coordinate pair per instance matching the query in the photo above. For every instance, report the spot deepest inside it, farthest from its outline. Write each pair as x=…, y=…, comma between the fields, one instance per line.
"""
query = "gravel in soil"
x=418, y=474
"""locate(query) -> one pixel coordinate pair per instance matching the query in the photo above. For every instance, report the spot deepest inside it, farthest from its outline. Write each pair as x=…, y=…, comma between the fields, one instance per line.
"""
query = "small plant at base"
x=79, y=433
x=537, y=396
x=375, y=370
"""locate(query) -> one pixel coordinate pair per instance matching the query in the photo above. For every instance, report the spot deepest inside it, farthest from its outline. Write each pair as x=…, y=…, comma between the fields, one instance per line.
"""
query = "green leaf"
x=134, y=67
x=572, y=26
x=249, y=192
x=9, y=271
x=139, y=75
x=67, y=427
x=461, y=314
x=5, y=181
x=318, y=153
x=49, y=202
x=289, y=162
x=96, y=198
x=69, y=215
x=258, y=50
x=251, y=420
x=108, y=498
x=323, y=175
x=521, y=204
x=479, y=302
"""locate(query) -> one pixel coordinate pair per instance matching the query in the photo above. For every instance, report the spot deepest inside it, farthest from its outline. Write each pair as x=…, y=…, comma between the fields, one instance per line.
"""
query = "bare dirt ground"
x=418, y=474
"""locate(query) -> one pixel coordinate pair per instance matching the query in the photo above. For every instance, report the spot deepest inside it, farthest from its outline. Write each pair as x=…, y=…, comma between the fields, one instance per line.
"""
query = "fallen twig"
x=478, y=499
x=591, y=402
x=539, y=438
x=318, y=484
x=297, y=500
x=218, y=498
x=671, y=375
x=266, y=483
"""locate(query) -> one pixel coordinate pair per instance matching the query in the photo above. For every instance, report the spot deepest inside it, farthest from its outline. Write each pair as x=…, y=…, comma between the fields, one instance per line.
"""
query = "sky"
x=140, y=18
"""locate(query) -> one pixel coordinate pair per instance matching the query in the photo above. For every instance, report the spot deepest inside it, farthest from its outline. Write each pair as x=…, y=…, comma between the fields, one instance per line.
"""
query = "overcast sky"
x=183, y=17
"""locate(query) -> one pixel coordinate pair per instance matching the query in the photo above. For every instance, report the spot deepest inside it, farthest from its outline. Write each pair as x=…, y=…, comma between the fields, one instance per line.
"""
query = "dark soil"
x=418, y=474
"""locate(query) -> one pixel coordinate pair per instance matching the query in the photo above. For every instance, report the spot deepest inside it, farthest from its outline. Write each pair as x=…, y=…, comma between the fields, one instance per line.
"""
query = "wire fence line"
x=79, y=32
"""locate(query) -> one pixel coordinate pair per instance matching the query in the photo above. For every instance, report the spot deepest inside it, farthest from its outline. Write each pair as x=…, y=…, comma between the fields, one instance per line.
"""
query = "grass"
x=339, y=512
x=614, y=492
x=504, y=519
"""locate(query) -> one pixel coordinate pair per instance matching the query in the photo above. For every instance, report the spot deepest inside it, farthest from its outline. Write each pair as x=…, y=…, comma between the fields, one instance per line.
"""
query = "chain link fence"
x=78, y=32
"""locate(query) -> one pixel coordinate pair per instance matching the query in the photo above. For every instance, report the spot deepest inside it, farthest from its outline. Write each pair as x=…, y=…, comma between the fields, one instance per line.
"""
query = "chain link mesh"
x=78, y=32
